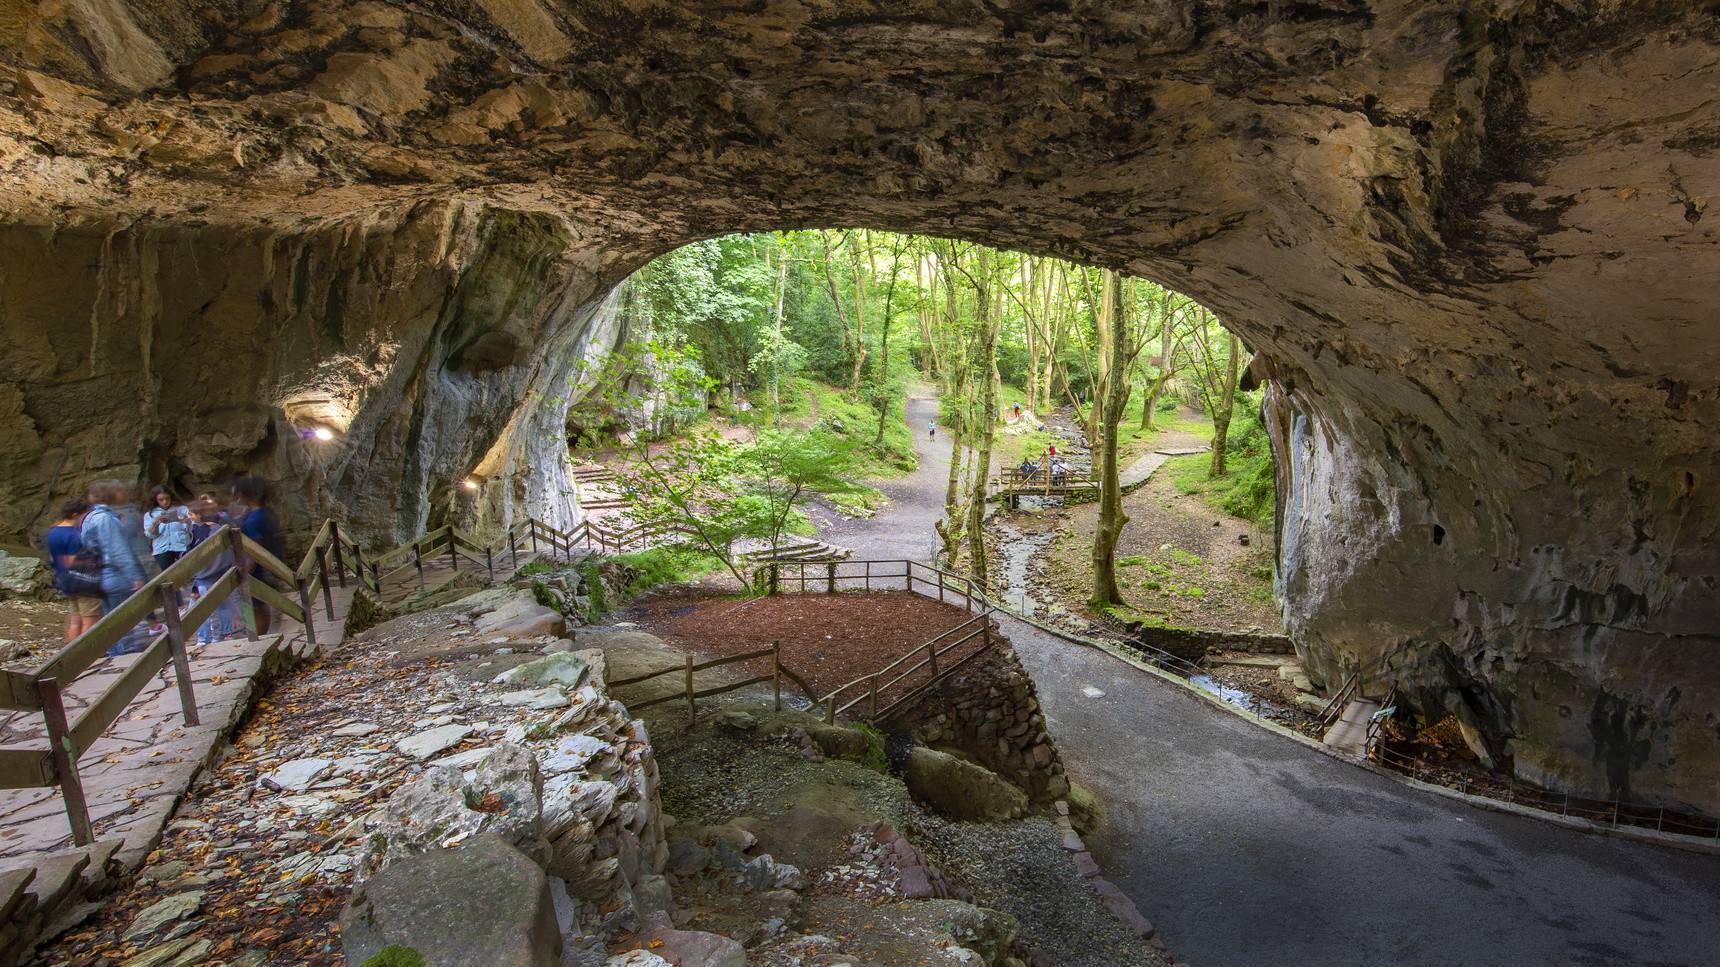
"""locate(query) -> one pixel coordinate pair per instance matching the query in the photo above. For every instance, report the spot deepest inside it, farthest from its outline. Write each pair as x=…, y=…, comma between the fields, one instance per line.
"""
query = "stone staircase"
x=797, y=550
x=599, y=488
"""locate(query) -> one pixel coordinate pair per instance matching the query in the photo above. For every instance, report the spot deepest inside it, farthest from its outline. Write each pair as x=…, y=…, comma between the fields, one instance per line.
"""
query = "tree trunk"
x=1227, y=403
x=1114, y=318
x=776, y=334
x=985, y=427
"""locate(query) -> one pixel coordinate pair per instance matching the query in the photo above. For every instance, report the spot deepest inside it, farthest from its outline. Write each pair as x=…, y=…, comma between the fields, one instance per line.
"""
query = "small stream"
x=1018, y=552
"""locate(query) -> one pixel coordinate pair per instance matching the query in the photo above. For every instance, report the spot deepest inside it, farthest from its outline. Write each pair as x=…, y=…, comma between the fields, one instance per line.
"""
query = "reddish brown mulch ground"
x=828, y=639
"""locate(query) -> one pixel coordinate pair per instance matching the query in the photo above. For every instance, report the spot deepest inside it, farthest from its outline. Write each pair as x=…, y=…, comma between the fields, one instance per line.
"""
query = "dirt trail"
x=1246, y=848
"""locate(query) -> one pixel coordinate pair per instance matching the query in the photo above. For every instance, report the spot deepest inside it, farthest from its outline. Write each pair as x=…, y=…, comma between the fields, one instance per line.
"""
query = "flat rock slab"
x=481, y=903
x=432, y=741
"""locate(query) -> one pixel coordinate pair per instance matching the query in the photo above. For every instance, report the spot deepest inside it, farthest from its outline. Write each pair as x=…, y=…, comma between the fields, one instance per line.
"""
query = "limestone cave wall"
x=1471, y=238
x=435, y=339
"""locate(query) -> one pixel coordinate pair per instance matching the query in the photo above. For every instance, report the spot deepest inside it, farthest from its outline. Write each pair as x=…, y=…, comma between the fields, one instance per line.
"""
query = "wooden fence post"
x=309, y=615
x=868, y=579
x=176, y=641
x=65, y=760
x=339, y=562
x=247, y=604
x=453, y=549
x=358, y=564
x=322, y=573
x=830, y=578
x=692, y=705
x=376, y=578
x=830, y=713
x=418, y=562
x=514, y=548
x=775, y=575
x=776, y=672
x=932, y=656
x=490, y=563
x=872, y=698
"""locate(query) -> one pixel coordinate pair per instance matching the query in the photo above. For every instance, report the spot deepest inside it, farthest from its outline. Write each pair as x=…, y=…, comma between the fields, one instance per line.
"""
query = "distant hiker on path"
x=932, y=428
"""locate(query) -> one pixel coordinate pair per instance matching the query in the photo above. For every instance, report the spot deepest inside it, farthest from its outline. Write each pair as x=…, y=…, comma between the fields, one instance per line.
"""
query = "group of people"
x=104, y=548
x=1031, y=470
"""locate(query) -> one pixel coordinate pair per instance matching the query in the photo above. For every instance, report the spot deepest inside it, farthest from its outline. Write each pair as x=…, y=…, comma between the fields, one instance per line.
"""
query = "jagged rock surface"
x=1470, y=240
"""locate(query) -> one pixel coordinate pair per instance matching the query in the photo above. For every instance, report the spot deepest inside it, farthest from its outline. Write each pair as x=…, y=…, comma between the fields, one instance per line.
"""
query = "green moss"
x=875, y=757
x=395, y=955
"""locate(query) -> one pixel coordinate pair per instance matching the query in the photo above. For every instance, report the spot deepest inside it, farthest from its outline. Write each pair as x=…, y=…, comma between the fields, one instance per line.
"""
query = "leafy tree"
x=715, y=492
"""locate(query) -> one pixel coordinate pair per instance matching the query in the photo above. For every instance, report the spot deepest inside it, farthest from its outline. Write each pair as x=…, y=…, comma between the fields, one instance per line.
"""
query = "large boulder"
x=440, y=809
x=483, y=902
x=24, y=577
x=960, y=789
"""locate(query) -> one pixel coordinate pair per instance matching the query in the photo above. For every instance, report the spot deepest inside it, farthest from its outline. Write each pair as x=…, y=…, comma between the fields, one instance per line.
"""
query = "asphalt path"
x=1246, y=848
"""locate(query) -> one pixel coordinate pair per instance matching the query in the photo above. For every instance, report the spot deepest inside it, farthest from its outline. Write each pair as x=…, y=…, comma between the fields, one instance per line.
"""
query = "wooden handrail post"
x=339, y=561
x=376, y=578
x=490, y=563
x=872, y=697
x=65, y=760
x=514, y=548
x=322, y=574
x=692, y=705
x=868, y=578
x=358, y=564
x=309, y=615
x=453, y=548
x=418, y=562
x=940, y=587
x=830, y=713
x=932, y=656
x=176, y=640
x=830, y=578
x=776, y=672
x=242, y=562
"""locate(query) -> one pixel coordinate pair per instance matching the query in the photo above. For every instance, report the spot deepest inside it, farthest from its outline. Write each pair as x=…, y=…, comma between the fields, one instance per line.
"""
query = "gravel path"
x=1246, y=848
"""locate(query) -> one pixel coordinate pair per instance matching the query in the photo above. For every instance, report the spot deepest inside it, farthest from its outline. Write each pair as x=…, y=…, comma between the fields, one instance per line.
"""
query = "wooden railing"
x=931, y=656
x=43, y=690
x=692, y=695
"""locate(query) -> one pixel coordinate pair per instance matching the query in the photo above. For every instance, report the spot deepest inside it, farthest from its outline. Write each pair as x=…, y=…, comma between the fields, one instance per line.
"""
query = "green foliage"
x=394, y=955
x=671, y=564
x=716, y=492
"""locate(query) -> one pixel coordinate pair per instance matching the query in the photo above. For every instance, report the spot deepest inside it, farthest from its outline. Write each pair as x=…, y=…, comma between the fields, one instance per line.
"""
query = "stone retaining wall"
x=991, y=713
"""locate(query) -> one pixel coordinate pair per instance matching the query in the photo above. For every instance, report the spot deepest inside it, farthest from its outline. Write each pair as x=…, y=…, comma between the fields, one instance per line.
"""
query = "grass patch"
x=807, y=402
x=663, y=565
x=1245, y=490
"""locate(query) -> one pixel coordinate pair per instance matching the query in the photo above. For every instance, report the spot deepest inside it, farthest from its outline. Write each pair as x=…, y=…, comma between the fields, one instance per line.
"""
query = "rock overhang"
x=1470, y=242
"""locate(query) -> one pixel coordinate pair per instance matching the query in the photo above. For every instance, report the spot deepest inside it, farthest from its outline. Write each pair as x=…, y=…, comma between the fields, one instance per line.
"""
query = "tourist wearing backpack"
x=77, y=576
x=107, y=531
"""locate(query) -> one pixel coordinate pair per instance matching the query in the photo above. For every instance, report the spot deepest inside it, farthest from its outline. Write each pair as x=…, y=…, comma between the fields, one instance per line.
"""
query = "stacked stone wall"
x=990, y=713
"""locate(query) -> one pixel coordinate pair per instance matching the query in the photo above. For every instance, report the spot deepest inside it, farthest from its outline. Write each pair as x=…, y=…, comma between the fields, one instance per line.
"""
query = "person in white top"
x=168, y=526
